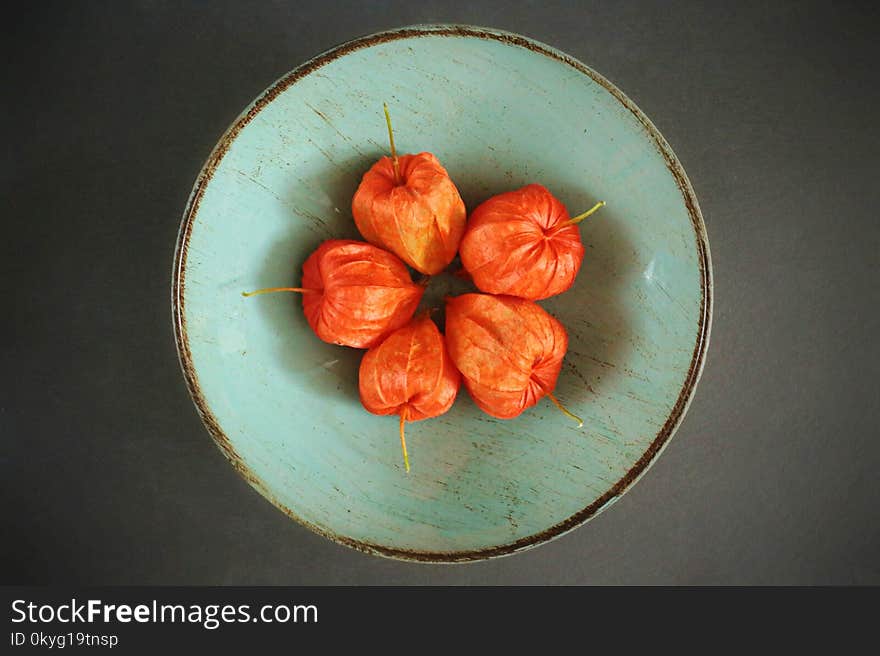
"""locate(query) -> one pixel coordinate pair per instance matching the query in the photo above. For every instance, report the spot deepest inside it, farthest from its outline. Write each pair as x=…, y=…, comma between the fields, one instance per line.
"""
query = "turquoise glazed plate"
x=500, y=111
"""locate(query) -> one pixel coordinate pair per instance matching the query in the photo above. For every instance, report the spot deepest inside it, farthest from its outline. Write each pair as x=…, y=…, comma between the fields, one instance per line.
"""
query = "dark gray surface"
x=107, y=475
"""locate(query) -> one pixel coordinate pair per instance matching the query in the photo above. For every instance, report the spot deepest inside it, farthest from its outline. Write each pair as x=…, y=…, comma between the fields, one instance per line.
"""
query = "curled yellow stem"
x=580, y=217
x=565, y=410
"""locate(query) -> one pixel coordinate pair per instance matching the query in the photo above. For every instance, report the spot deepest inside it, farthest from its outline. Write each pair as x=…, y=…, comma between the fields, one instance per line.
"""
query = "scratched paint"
x=500, y=111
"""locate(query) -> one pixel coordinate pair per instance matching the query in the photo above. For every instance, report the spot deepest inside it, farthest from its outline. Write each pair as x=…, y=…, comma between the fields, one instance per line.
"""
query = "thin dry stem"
x=391, y=141
x=403, y=439
x=270, y=290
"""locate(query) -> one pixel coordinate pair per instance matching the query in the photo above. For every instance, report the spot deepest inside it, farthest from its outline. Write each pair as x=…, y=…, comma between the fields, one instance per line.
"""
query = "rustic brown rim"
x=647, y=458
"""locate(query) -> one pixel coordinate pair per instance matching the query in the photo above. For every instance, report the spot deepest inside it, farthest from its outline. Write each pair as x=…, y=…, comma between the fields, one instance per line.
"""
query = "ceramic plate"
x=500, y=111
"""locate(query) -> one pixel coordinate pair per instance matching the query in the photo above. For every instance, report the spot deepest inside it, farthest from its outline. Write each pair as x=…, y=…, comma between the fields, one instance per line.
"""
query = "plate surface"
x=500, y=111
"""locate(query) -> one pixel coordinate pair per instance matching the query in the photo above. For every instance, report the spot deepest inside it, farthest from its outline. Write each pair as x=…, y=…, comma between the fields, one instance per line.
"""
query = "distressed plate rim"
x=661, y=440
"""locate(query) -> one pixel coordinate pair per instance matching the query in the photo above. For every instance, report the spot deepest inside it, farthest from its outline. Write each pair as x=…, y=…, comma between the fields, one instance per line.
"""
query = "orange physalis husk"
x=524, y=244
x=410, y=206
x=355, y=294
x=410, y=374
x=509, y=351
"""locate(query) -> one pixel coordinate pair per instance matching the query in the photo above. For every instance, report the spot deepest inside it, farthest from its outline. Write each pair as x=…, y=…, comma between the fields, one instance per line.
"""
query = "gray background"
x=110, y=109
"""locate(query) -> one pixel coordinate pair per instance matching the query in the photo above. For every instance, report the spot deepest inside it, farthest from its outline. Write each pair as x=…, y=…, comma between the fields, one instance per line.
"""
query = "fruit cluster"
x=517, y=247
